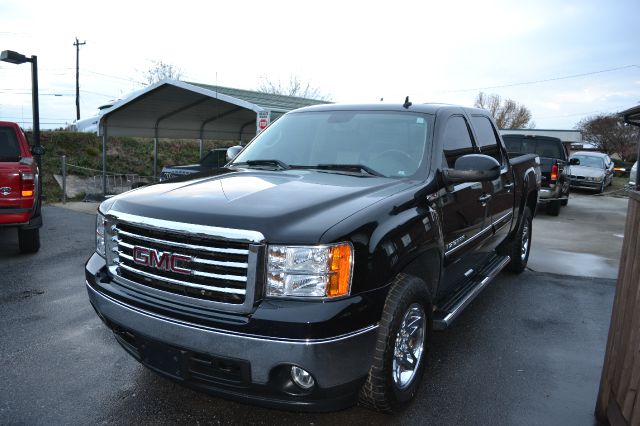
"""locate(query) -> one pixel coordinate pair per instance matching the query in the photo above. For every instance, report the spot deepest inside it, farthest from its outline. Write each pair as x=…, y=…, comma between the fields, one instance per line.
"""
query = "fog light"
x=302, y=378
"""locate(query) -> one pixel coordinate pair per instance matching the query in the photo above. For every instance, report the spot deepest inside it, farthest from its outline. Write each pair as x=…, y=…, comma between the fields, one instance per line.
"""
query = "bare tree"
x=610, y=134
x=159, y=70
x=295, y=87
x=508, y=113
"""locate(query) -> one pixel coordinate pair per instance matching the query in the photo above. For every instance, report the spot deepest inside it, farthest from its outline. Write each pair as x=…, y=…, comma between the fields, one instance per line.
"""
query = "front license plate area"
x=163, y=358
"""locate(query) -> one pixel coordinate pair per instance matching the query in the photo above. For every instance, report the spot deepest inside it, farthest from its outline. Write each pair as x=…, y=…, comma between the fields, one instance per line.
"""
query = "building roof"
x=632, y=115
x=268, y=101
x=178, y=109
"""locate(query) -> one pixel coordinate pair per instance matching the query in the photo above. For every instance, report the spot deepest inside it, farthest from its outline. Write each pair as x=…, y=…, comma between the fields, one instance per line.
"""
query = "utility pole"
x=77, y=44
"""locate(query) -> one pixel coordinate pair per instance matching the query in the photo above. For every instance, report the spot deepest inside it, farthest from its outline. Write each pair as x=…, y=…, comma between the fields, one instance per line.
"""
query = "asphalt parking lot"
x=528, y=351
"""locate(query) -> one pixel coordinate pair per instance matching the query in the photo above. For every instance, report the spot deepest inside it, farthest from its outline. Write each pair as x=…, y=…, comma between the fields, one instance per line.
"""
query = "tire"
x=564, y=202
x=602, y=186
x=407, y=303
x=553, y=208
x=520, y=247
x=29, y=240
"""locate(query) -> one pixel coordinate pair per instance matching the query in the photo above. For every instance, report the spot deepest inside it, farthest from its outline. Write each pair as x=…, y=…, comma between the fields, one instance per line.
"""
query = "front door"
x=464, y=212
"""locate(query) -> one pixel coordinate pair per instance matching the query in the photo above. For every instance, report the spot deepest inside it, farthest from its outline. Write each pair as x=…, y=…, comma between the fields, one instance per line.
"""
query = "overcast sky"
x=565, y=60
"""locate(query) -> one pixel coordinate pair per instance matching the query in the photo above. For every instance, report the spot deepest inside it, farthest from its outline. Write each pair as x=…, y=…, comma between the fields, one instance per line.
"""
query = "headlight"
x=598, y=179
x=101, y=247
x=309, y=271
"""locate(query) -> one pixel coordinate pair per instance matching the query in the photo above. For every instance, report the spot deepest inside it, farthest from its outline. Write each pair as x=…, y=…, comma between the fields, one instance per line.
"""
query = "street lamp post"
x=17, y=58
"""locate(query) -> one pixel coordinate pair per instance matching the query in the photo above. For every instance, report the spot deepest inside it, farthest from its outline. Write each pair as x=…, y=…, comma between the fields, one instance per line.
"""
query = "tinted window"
x=9, y=147
x=457, y=140
x=549, y=148
x=487, y=140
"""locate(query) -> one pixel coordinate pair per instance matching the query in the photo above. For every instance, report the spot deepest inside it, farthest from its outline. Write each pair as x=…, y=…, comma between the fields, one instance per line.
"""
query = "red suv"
x=19, y=198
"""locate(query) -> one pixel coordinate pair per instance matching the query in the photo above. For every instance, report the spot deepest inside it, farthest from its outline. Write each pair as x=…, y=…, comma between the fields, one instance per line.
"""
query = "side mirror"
x=473, y=168
x=37, y=150
x=574, y=162
x=233, y=152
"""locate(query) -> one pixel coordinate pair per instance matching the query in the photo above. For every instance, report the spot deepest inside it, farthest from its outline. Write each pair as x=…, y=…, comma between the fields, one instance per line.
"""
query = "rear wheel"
x=400, y=353
x=29, y=240
x=520, y=247
x=553, y=208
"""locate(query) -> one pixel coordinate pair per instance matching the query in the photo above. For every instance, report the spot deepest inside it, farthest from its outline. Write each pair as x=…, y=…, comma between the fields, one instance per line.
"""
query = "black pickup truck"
x=554, y=167
x=215, y=159
x=310, y=272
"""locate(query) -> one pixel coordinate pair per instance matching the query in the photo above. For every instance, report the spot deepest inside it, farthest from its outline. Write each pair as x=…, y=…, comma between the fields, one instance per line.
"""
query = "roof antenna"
x=406, y=103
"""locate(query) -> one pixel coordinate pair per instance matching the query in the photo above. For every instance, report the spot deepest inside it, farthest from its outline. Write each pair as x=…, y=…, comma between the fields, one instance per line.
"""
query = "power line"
x=608, y=111
x=546, y=80
x=116, y=77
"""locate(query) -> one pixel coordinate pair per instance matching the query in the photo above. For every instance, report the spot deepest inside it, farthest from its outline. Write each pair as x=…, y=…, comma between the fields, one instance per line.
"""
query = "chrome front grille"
x=206, y=263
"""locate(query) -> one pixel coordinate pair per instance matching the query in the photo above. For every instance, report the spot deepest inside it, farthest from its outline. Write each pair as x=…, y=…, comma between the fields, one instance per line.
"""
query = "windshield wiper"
x=277, y=163
x=357, y=168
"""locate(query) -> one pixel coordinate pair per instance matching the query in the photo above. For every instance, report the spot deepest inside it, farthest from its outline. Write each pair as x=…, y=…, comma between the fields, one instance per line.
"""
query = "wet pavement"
x=528, y=351
x=585, y=239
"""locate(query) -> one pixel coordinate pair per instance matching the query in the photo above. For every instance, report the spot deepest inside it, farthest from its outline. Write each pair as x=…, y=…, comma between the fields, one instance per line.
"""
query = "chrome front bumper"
x=332, y=362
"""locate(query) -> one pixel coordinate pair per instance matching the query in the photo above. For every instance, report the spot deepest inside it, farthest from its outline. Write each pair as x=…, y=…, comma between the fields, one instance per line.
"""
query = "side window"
x=457, y=140
x=487, y=139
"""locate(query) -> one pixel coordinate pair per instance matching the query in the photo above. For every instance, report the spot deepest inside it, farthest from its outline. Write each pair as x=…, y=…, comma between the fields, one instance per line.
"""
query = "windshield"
x=9, y=148
x=391, y=144
x=590, y=161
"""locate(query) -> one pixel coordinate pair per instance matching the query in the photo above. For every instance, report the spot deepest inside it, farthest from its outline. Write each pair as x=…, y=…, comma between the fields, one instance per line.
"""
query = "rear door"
x=502, y=189
x=9, y=165
x=465, y=223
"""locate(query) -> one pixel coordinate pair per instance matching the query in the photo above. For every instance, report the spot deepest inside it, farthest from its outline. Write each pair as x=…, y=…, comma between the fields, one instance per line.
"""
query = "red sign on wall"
x=262, y=120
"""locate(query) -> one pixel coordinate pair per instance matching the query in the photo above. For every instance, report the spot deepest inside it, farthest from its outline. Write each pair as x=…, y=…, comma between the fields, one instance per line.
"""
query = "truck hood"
x=586, y=171
x=294, y=206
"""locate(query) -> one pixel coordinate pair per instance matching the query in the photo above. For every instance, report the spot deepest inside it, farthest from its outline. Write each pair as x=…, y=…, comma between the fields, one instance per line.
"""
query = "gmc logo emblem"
x=163, y=260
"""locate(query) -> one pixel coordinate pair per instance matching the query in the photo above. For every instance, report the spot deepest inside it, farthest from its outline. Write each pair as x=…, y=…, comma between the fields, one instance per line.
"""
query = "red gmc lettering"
x=176, y=268
x=165, y=261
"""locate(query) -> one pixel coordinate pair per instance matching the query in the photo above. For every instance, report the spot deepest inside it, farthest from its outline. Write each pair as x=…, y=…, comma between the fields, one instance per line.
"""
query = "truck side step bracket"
x=451, y=308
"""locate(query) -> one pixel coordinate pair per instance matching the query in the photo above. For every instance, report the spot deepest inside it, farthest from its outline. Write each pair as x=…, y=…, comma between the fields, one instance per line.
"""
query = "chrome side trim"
x=192, y=285
x=464, y=243
x=237, y=235
x=182, y=245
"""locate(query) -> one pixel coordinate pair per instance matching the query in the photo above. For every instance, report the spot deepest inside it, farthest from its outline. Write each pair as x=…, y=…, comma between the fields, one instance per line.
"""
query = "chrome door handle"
x=484, y=198
x=509, y=186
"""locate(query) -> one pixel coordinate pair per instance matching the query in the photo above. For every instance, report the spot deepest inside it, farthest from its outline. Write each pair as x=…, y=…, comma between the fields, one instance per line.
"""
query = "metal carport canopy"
x=183, y=110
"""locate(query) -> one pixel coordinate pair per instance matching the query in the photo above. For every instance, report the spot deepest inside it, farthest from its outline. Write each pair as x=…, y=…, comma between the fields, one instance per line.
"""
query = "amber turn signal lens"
x=27, y=193
x=340, y=270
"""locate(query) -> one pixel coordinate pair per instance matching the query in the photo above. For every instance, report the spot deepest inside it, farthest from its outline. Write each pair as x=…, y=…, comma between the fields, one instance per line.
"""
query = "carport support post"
x=155, y=156
x=64, y=179
x=200, y=143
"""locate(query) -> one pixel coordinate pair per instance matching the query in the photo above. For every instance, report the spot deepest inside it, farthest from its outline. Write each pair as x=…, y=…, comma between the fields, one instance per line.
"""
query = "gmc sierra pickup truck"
x=310, y=272
x=19, y=198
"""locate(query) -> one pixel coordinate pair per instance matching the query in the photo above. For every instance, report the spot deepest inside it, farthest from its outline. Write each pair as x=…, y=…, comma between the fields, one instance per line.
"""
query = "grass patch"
x=124, y=156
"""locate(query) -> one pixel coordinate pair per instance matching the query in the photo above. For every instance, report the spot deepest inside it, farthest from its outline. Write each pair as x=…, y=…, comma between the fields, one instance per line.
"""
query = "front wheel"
x=400, y=353
x=520, y=247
